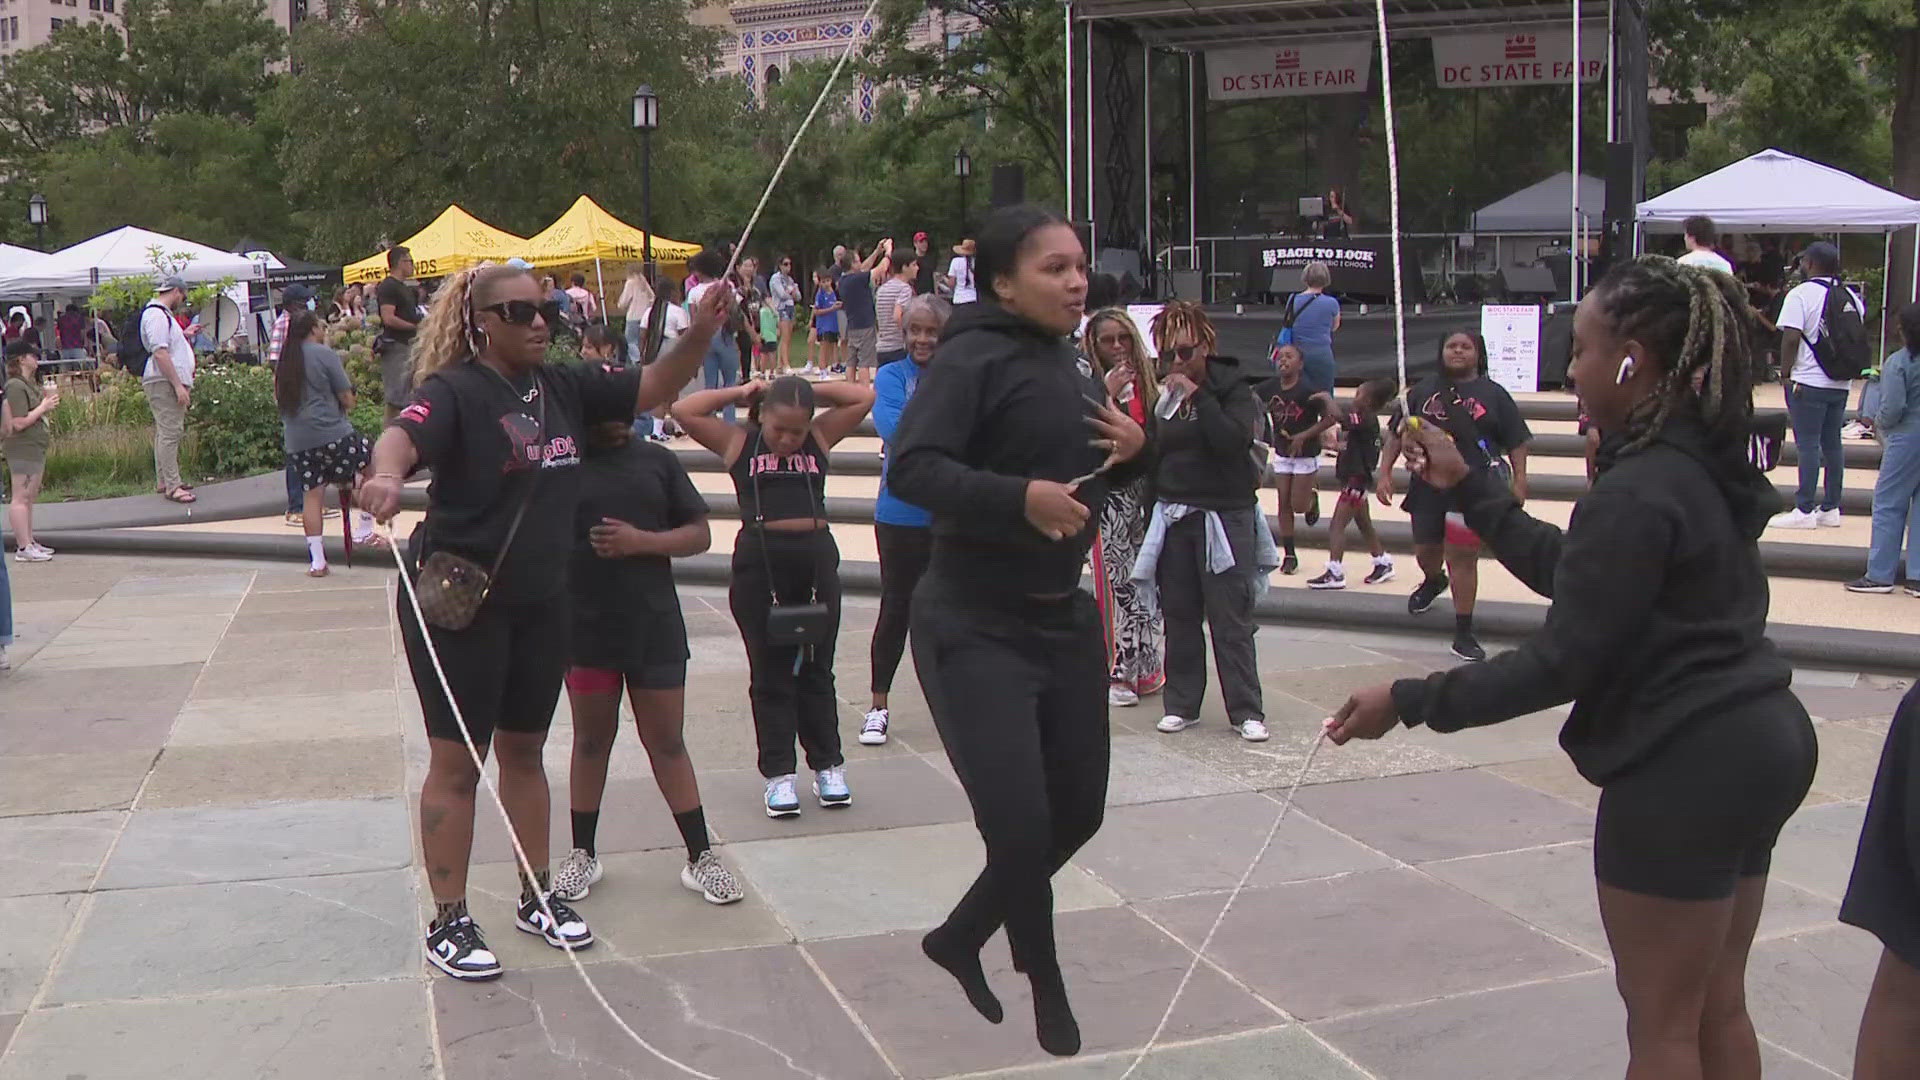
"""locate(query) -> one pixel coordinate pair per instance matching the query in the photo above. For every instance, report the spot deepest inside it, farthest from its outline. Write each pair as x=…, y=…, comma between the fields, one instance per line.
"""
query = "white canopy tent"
x=124, y=252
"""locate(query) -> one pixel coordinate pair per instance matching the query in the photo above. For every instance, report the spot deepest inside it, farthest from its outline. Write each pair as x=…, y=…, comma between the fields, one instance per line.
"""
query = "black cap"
x=295, y=294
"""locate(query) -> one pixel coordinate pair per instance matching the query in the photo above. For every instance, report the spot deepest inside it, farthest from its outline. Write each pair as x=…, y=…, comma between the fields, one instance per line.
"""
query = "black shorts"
x=1883, y=897
x=831, y=337
x=505, y=668
x=1705, y=809
x=647, y=649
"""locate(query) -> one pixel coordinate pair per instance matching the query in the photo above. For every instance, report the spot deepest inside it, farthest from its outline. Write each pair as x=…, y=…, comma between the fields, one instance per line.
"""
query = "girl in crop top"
x=778, y=461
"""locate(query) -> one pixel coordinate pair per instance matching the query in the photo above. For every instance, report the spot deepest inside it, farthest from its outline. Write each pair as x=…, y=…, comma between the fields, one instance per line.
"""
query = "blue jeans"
x=1817, y=414
x=1894, y=511
x=6, y=602
x=634, y=330
x=1316, y=366
x=722, y=366
x=296, y=491
x=1869, y=400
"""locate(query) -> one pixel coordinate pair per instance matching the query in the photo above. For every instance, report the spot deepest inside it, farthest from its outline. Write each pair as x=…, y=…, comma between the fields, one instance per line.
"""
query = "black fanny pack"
x=804, y=625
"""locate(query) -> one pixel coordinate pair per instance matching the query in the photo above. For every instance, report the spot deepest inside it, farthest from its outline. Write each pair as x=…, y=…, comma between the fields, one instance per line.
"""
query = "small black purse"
x=802, y=625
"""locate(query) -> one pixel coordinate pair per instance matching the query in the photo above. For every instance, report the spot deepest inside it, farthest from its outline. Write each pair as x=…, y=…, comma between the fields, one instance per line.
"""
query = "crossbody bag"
x=451, y=588
x=804, y=625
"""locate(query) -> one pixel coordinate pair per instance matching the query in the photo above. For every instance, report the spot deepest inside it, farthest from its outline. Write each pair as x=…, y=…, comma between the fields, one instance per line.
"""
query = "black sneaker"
x=1429, y=591
x=1868, y=585
x=1466, y=648
x=566, y=930
x=458, y=949
x=1313, y=512
x=1289, y=563
x=1328, y=580
x=1380, y=575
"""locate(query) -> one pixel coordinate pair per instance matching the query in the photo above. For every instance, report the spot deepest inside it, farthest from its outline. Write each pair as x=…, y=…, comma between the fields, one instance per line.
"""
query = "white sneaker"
x=1828, y=519
x=1122, y=697
x=42, y=548
x=781, y=800
x=30, y=554
x=576, y=876
x=830, y=787
x=1854, y=429
x=1172, y=724
x=1253, y=730
x=874, y=731
x=1794, y=519
x=5, y=664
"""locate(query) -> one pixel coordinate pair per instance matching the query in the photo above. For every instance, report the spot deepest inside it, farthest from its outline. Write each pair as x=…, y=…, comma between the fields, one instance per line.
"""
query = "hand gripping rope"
x=1313, y=748
x=433, y=654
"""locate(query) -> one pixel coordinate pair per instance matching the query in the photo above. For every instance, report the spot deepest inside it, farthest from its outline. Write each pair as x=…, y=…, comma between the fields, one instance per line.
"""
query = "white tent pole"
x=1886, y=273
x=1613, y=134
x=1573, y=239
x=1194, y=101
x=600, y=281
x=1067, y=102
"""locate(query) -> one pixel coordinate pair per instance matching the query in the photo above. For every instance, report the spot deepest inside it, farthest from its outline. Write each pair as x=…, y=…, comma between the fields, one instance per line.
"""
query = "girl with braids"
x=784, y=554
x=1120, y=355
x=1657, y=634
x=501, y=430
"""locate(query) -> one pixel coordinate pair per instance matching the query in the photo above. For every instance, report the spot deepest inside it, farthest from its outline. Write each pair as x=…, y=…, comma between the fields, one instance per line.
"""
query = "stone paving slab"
x=899, y=792
x=1148, y=769
x=55, y=852
x=1286, y=1053
x=1443, y=815
x=286, y=718
x=1805, y=991
x=370, y=1031
x=278, y=840
x=267, y=772
x=1816, y=848
x=31, y=929
x=65, y=783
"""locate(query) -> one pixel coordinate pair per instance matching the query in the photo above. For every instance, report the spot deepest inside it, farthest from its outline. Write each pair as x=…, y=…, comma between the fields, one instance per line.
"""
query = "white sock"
x=1383, y=560
x=316, y=552
x=1336, y=568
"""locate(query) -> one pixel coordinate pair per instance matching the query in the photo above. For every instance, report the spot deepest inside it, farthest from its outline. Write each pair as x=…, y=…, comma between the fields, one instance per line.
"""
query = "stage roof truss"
x=1200, y=24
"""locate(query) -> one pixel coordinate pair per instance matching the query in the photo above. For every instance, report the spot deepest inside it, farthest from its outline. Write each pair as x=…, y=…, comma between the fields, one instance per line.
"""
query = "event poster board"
x=1289, y=69
x=1142, y=316
x=1513, y=345
x=1521, y=59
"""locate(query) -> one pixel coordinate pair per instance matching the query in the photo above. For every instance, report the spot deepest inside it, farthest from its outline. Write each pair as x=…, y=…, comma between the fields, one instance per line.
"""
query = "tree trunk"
x=1906, y=155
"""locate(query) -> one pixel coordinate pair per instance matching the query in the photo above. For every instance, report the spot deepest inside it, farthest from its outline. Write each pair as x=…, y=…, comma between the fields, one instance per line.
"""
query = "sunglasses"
x=515, y=312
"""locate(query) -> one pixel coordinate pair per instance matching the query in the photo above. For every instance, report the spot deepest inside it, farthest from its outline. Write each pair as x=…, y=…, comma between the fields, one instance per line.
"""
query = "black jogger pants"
x=789, y=702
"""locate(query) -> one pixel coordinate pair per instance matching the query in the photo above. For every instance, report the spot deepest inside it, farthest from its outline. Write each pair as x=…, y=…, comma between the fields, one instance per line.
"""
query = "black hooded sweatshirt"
x=1659, y=609
x=1203, y=456
x=1002, y=402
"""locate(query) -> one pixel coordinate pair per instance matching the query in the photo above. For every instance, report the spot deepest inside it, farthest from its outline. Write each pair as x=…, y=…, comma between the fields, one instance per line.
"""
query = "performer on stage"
x=1657, y=633
x=1012, y=445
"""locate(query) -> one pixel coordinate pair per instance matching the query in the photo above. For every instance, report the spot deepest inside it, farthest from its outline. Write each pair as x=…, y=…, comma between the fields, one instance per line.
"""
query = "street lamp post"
x=962, y=170
x=646, y=117
x=37, y=214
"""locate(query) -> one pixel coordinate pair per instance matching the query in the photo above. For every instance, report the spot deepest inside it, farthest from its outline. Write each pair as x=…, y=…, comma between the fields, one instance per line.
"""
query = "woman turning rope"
x=1007, y=442
x=1657, y=633
x=501, y=431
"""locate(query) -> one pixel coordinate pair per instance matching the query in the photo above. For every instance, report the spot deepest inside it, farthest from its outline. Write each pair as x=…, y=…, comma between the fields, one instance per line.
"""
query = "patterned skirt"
x=1133, y=631
x=338, y=462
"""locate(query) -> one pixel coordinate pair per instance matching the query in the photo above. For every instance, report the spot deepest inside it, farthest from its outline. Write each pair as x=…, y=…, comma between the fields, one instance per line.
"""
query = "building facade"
x=26, y=23
x=765, y=38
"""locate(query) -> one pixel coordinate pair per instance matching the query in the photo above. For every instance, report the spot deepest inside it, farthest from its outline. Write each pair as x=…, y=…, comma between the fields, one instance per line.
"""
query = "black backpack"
x=133, y=345
x=1842, y=349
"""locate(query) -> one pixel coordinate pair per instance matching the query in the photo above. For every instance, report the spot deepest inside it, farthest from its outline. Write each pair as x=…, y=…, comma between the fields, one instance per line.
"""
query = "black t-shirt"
x=1497, y=423
x=485, y=445
x=923, y=283
x=644, y=485
x=405, y=303
x=1292, y=411
x=793, y=486
x=1362, y=450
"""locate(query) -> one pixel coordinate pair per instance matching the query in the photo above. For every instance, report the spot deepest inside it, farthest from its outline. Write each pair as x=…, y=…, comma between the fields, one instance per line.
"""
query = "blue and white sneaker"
x=782, y=802
x=830, y=787
x=566, y=930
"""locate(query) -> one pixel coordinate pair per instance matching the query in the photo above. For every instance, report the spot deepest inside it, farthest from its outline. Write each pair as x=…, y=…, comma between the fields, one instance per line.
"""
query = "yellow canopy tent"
x=452, y=242
x=586, y=233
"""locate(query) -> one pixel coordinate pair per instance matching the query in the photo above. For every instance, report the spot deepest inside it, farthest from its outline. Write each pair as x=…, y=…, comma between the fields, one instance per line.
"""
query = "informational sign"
x=1513, y=345
x=1519, y=59
x=1283, y=70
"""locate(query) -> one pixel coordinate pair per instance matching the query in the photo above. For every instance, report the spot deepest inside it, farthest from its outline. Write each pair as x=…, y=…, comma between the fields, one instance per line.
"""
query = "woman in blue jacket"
x=902, y=532
x=1897, y=424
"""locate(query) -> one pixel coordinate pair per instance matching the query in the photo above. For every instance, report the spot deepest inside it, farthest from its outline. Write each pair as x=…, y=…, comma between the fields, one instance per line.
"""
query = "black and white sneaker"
x=458, y=949
x=1332, y=579
x=1289, y=563
x=1381, y=574
x=566, y=930
x=1429, y=591
x=1868, y=585
x=1467, y=648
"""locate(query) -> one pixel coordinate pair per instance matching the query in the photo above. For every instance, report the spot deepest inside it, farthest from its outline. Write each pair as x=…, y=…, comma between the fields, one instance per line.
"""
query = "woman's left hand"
x=1118, y=379
x=1120, y=437
x=1368, y=714
x=616, y=539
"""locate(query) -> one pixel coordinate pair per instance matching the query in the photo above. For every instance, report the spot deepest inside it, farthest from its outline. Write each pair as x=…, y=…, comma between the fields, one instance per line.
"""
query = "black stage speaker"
x=1009, y=185
x=1517, y=281
x=1620, y=163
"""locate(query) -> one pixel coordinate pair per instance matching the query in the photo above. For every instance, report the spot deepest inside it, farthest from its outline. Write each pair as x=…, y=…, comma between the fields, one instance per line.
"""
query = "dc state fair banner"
x=1312, y=67
x=1518, y=59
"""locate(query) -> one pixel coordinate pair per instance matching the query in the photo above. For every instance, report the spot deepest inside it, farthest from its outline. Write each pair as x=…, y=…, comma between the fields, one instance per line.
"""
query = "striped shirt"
x=277, y=340
x=892, y=336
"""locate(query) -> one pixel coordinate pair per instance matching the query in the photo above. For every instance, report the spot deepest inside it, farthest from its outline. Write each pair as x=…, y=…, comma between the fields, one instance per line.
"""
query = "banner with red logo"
x=1518, y=59
x=1319, y=67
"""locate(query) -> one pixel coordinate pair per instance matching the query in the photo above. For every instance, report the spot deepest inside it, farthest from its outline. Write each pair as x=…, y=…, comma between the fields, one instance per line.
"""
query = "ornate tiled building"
x=767, y=38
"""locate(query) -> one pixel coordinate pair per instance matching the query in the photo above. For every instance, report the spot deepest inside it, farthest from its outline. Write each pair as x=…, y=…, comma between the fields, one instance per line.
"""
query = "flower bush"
x=235, y=417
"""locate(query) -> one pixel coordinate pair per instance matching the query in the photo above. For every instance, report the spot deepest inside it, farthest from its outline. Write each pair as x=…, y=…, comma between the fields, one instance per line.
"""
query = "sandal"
x=318, y=571
x=181, y=495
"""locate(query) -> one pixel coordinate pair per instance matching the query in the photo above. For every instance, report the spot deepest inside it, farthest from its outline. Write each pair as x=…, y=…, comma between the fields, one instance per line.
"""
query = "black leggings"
x=904, y=551
x=1018, y=690
x=789, y=701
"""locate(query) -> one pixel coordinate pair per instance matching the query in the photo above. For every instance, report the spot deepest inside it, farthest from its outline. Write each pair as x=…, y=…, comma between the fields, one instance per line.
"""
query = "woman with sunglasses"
x=784, y=555
x=1010, y=442
x=501, y=430
x=1134, y=630
x=786, y=303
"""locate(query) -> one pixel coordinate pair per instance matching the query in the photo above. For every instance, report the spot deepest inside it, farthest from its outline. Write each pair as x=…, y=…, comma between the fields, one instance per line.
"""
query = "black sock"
x=1287, y=542
x=585, y=824
x=1053, y=1020
x=1463, y=625
x=542, y=878
x=693, y=829
x=964, y=965
x=450, y=911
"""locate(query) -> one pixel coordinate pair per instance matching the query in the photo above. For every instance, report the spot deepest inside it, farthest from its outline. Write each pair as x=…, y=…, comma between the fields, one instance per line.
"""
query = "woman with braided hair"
x=1657, y=634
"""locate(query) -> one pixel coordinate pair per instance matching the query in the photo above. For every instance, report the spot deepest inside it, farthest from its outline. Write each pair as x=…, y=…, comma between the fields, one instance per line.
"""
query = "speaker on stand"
x=1009, y=185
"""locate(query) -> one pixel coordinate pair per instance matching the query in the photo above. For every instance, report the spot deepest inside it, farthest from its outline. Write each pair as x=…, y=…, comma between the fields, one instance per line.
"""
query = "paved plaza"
x=208, y=870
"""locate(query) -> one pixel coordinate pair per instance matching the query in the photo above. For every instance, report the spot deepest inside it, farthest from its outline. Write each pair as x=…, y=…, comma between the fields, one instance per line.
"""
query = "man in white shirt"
x=1702, y=234
x=1816, y=402
x=168, y=382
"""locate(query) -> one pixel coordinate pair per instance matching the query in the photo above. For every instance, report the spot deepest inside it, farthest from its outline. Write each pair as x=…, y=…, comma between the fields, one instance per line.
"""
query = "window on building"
x=108, y=5
x=93, y=5
x=58, y=23
x=4, y=35
x=773, y=76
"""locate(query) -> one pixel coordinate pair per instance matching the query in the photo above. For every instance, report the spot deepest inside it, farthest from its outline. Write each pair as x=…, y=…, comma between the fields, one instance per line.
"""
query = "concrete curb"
x=1805, y=646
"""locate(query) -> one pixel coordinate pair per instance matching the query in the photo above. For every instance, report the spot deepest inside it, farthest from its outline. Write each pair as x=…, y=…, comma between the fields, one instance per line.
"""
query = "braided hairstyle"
x=449, y=334
x=1184, y=317
x=1697, y=322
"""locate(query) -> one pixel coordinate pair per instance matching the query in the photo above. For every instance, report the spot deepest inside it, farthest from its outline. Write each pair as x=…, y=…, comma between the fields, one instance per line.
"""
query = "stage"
x=1363, y=346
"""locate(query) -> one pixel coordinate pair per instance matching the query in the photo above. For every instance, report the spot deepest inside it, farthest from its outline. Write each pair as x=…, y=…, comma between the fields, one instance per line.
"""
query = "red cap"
x=919, y=236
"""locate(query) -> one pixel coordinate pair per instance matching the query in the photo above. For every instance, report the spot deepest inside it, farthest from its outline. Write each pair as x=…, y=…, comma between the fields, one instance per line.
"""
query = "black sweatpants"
x=1189, y=591
x=788, y=703
x=904, y=552
x=1018, y=691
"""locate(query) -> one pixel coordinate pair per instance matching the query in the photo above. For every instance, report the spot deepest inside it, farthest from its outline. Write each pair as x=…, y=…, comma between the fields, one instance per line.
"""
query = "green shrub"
x=119, y=402
x=234, y=414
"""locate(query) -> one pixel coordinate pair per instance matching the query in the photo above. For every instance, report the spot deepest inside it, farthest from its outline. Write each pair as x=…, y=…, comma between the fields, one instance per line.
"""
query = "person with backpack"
x=1823, y=329
x=155, y=350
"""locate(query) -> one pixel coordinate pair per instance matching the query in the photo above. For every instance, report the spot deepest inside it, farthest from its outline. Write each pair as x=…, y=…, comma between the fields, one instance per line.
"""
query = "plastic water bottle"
x=1170, y=402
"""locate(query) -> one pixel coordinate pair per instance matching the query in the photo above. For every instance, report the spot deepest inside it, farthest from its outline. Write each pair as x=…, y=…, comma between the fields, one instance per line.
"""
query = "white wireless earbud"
x=1626, y=372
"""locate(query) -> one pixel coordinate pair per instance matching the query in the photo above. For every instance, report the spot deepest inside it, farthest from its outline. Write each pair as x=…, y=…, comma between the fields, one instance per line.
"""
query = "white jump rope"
x=1400, y=349
x=433, y=654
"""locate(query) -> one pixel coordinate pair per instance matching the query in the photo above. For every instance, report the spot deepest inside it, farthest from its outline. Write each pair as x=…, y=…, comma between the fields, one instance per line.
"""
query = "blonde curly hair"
x=1143, y=361
x=449, y=335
